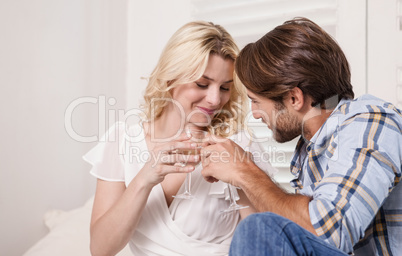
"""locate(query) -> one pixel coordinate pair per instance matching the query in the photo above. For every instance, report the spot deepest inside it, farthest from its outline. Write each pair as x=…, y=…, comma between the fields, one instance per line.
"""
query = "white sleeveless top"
x=186, y=227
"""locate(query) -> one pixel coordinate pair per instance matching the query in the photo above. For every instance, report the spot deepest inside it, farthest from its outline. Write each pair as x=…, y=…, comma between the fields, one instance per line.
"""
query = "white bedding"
x=68, y=234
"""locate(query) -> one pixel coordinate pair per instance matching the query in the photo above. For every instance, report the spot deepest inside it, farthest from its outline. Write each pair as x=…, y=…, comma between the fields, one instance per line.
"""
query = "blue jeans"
x=271, y=234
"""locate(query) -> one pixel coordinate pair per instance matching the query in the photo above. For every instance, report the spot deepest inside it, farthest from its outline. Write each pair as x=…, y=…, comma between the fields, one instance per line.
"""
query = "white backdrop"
x=53, y=52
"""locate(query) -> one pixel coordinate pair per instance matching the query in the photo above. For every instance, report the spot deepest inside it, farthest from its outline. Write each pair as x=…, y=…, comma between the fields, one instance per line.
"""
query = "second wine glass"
x=233, y=206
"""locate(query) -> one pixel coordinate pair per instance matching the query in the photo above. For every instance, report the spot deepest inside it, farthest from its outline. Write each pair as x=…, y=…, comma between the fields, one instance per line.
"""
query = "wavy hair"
x=297, y=53
x=184, y=60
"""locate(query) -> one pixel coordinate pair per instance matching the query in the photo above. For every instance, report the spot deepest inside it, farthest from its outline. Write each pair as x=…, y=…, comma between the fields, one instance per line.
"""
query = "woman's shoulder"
x=125, y=130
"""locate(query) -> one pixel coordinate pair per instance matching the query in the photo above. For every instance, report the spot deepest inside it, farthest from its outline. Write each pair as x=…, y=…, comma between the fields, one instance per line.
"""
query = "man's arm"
x=262, y=192
x=267, y=196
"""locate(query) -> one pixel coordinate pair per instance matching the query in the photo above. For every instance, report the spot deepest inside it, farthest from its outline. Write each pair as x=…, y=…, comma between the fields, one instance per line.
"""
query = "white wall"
x=384, y=52
x=351, y=36
x=151, y=24
x=372, y=44
x=52, y=52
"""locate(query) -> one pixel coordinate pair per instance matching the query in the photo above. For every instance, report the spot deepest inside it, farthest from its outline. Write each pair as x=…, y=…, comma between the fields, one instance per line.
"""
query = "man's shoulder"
x=366, y=104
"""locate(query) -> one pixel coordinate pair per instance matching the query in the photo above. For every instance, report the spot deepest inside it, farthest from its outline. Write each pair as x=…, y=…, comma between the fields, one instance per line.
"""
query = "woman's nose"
x=213, y=96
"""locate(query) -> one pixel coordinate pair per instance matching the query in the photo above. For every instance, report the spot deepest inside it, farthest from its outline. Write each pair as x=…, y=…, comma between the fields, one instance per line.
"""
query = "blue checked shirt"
x=351, y=168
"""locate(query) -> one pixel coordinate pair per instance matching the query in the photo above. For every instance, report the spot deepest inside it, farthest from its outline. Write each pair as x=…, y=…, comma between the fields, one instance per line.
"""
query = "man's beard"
x=286, y=126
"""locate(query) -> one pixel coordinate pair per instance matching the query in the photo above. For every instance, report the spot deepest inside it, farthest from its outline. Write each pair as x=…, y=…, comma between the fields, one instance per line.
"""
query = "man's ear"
x=295, y=99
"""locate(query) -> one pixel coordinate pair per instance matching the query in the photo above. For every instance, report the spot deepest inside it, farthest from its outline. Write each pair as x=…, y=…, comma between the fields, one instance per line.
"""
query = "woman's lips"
x=207, y=110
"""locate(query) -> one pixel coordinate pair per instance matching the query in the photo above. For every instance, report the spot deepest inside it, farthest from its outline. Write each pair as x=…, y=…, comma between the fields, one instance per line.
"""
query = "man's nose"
x=256, y=113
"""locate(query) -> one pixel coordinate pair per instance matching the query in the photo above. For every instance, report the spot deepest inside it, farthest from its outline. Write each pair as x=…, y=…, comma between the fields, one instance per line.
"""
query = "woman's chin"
x=200, y=123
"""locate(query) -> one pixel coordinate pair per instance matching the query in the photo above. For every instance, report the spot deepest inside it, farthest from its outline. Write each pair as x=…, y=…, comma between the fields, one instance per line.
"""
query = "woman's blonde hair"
x=184, y=60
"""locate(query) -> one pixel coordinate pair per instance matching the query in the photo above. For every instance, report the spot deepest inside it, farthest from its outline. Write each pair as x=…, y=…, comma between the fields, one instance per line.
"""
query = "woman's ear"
x=296, y=99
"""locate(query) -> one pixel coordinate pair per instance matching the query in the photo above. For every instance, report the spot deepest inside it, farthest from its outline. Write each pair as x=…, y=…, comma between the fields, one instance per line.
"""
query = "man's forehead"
x=251, y=95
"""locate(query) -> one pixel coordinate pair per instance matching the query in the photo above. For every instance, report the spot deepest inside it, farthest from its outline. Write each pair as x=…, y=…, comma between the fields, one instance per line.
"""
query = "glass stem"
x=232, y=198
x=187, y=183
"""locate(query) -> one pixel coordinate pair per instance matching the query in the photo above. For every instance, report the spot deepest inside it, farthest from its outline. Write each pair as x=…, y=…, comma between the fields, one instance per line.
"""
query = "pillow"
x=68, y=234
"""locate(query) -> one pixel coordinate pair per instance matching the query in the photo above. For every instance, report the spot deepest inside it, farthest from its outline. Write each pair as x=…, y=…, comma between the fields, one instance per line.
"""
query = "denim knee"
x=265, y=220
x=260, y=234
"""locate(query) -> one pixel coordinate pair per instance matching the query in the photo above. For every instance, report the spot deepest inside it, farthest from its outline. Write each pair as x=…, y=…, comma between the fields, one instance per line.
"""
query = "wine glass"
x=197, y=136
x=232, y=199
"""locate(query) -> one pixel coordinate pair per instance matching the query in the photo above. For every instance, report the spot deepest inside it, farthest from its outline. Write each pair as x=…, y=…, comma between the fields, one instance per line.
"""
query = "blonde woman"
x=193, y=85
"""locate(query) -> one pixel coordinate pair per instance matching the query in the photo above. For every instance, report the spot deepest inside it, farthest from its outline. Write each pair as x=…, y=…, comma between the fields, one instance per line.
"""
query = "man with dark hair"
x=347, y=163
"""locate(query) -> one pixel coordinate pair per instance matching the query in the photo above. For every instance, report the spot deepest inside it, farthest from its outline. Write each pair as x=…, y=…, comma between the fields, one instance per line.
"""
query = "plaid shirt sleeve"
x=353, y=173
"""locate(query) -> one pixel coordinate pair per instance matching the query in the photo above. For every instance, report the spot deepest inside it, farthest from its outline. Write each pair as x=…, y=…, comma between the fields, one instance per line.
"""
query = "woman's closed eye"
x=202, y=85
x=205, y=86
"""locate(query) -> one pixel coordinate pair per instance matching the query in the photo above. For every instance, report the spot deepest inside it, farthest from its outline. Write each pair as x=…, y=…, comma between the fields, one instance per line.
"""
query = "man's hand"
x=226, y=161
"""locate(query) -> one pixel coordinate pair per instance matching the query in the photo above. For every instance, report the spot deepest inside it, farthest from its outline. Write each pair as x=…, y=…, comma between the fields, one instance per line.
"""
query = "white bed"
x=68, y=234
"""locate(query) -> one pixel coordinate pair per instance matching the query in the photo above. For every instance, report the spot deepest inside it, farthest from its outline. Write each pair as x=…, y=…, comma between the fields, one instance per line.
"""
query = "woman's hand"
x=170, y=157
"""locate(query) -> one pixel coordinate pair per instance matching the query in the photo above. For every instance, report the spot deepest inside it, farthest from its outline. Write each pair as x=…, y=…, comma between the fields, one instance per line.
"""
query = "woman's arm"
x=115, y=214
x=117, y=209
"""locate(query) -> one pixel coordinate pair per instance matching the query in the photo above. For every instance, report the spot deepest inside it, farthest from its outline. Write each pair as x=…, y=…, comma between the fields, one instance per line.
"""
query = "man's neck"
x=313, y=120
